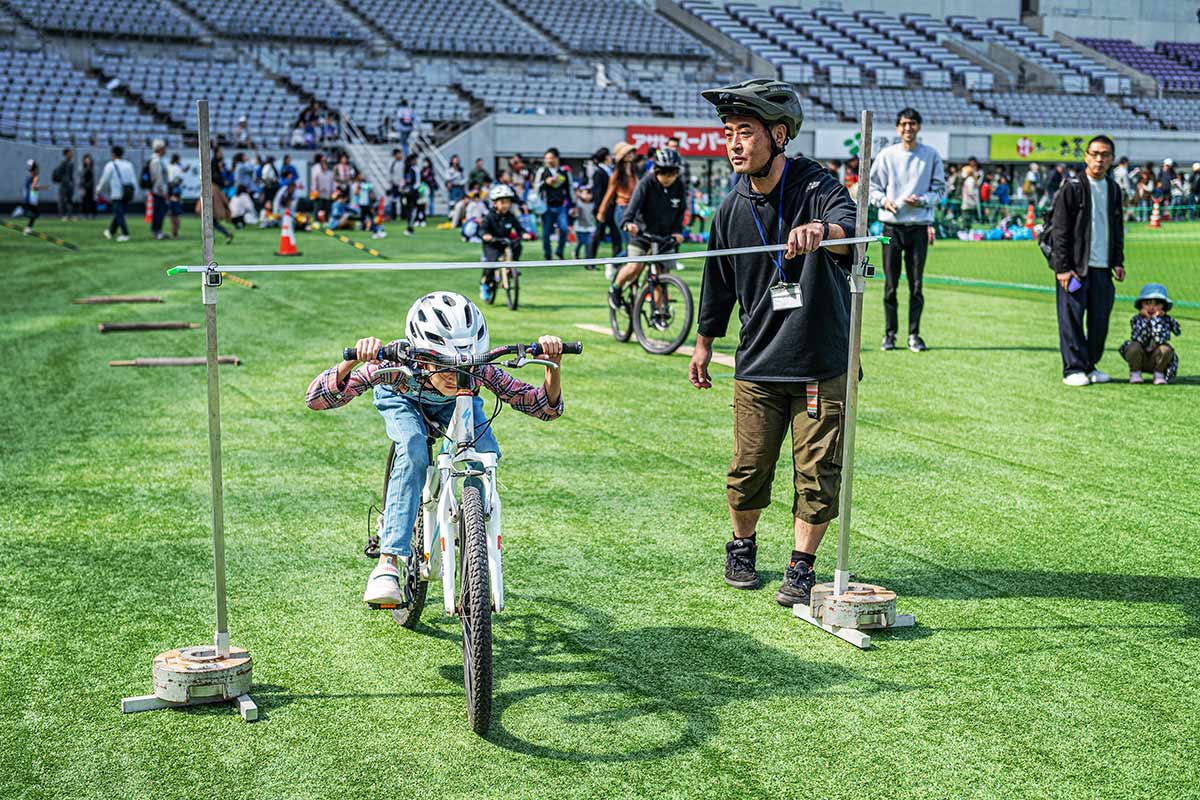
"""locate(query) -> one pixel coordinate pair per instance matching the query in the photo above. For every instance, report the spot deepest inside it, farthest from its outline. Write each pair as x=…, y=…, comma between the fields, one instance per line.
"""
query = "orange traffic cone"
x=1155, y=219
x=1029, y=217
x=287, y=236
x=149, y=208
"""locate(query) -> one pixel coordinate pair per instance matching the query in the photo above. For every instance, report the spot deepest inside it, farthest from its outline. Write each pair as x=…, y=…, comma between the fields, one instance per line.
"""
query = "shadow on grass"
x=989, y=584
x=268, y=697
x=572, y=686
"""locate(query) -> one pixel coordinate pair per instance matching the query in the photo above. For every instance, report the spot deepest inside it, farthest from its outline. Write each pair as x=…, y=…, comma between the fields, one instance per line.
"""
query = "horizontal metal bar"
x=575, y=262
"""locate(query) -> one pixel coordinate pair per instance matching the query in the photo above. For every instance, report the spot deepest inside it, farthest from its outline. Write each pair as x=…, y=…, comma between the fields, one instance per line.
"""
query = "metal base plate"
x=860, y=608
x=197, y=675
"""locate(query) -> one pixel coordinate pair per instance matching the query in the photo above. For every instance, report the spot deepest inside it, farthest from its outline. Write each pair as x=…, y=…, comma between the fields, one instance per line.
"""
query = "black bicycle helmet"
x=667, y=159
x=771, y=101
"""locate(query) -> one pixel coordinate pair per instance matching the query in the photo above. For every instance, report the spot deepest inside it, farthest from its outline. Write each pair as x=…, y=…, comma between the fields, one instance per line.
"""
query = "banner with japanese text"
x=696, y=142
x=1037, y=146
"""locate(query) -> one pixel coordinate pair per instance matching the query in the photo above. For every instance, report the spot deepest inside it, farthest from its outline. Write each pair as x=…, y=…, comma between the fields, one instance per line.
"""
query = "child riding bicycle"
x=414, y=408
x=655, y=211
x=501, y=232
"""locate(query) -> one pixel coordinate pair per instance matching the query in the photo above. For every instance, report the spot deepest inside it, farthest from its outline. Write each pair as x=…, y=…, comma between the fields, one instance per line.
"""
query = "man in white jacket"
x=120, y=180
x=907, y=183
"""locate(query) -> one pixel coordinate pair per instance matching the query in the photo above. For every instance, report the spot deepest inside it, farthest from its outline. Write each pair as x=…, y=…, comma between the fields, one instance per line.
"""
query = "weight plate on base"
x=191, y=673
x=862, y=605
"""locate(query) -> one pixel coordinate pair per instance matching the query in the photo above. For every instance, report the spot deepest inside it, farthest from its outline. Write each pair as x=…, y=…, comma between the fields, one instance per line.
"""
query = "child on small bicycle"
x=655, y=210
x=500, y=231
x=452, y=325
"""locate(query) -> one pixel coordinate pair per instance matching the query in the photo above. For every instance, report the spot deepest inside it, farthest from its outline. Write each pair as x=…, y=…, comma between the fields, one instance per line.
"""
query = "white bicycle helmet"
x=449, y=324
x=501, y=191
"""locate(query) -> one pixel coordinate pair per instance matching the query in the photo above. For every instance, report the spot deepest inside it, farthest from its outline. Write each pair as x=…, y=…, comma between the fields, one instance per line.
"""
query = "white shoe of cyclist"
x=1096, y=376
x=1077, y=379
x=383, y=587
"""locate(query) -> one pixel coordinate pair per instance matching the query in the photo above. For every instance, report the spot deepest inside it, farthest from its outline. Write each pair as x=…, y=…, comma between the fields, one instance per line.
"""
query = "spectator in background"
x=241, y=209
x=298, y=139
x=241, y=133
x=1003, y=194
x=287, y=172
x=1031, y=184
x=479, y=174
x=553, y=184
x=406, y=122
x=220, y=213
x=429, y=178
x=269, y=178
x=1124, y=179
x=1055, y=182
x=602, y=159
x=1194, y=192
x=243, y=174
x=1087, y=251
x=323, y=185
x=520, y=173
x=906, y=184
x=396, y=181
x=158, y=188
x=29, y=195
x=64, y=178
x=850, y=174
x=343, y=173
x=970, y=196
x=585, y=221
x=686, y=176
x=455, y=178
x=409, y=191
x=87, y=186
x=621, y=184
x=1143, y=195
x=120, y=180
x=1167, y=173
x=175, y=170
x=388, y=132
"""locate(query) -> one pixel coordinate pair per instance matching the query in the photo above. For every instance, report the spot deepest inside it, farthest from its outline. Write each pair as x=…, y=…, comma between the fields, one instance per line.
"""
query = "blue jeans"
x=619, y=221
x=583, y=239
x=406, y=427
x=550, y=218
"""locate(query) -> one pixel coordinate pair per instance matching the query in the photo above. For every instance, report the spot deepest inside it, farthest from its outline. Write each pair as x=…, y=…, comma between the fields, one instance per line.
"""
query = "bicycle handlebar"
x=401, y=351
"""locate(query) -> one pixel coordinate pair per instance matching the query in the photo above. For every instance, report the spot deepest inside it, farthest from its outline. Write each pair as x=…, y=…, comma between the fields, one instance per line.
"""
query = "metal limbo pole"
x=192, y=675
x=844, y=608
x=858, y=286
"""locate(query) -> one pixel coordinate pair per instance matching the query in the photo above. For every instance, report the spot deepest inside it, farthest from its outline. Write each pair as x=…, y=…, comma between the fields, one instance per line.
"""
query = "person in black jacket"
x=501, y=232
x=604, y=227
x=1087, y=251
x=655, y=212
x=794, y=309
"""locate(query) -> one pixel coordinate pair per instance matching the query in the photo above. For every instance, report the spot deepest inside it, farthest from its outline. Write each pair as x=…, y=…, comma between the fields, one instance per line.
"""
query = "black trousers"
x=1081, y=352
x=910, y=242
x=605, y=228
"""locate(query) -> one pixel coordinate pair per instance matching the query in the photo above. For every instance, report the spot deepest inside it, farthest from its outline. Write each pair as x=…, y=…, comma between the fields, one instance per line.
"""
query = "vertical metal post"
x=858, y=285
x=210, y=282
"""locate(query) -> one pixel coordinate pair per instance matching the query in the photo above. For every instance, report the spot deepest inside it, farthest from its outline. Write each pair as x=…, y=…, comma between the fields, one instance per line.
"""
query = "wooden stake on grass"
x=174, y=362
x=116, y=327
x=117, y=298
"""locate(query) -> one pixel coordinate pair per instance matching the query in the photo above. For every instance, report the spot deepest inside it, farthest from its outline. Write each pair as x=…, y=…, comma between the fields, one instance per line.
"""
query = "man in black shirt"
x=604, y=227
x=794, y=309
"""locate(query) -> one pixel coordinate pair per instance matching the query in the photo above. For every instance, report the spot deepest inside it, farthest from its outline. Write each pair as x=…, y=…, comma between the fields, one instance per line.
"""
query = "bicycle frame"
x=440, y=505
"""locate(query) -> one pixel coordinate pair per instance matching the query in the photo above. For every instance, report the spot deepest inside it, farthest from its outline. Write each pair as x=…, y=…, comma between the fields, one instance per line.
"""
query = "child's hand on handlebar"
x=368, y=349
x=631, y=228
x=551, y=348
x=678, y=237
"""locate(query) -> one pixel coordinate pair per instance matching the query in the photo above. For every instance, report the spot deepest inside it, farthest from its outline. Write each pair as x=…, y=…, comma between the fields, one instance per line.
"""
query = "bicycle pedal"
x=387, y=606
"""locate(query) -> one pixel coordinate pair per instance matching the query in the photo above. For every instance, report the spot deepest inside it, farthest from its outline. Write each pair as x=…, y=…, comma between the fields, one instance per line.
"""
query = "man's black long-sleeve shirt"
x=809, y=343
x=656, y=209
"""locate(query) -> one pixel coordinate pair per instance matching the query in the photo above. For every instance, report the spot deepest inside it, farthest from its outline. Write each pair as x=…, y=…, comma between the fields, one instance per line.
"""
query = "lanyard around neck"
x=776, y=258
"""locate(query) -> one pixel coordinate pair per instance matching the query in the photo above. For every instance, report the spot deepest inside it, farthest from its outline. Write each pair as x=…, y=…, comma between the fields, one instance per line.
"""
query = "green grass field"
x=1045, y=538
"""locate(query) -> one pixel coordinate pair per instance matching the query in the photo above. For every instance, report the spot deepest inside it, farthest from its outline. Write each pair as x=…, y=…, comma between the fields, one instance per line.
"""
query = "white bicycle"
x=458, y=532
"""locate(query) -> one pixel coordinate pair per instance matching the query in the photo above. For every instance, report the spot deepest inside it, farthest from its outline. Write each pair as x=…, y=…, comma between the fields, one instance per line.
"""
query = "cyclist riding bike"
x=655, y=211
x=412, y=408
x=501, y=232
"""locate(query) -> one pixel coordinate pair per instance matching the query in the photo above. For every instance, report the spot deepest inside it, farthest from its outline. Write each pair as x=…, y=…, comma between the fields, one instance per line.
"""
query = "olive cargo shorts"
x=762, y=415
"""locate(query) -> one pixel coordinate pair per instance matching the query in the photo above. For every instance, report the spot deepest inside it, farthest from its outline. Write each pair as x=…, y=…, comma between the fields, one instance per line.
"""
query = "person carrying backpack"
x=120, y=179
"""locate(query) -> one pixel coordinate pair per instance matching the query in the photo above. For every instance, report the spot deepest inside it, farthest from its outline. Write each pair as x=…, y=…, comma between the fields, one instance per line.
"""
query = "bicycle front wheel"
x=512, y=288
x=475, y=611
x=662, y=315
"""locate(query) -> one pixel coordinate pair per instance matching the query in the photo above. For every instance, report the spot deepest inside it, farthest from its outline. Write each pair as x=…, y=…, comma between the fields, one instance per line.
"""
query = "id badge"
x=785, y=296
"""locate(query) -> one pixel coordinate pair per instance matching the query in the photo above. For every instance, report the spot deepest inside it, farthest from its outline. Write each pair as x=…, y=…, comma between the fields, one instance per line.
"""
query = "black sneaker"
x=916, y=344
x=798, y=580
x=739, y=564
x=889, y=342
x=614, y=297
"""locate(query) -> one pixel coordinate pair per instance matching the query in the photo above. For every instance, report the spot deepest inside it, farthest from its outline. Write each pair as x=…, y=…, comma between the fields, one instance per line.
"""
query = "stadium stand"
x=452, y=26
x=312, y=20
x=542, y=89
x=1187, y=53
x=1063, y=110
x=614, y=26
x=937, y=107
x=1173, y=112
x=1171, y=75
x=171, y=85
x=46, y=100
x=154, y=19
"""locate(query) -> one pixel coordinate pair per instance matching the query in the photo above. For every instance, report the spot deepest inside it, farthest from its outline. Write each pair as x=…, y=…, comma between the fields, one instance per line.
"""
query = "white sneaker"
x=1135, y=376
x=107, y=234
x=1096, y=376
x=122, y=238
x=1160, y=379
x=383, y=587
x=28, y=231
x=1077, y=379
x=610, y=272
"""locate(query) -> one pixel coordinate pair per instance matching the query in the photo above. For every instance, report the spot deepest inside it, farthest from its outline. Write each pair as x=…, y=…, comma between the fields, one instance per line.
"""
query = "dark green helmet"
x=770, y=100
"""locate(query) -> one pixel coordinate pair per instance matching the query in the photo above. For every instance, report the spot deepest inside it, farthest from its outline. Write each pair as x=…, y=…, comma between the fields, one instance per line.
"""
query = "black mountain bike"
x=657, y=310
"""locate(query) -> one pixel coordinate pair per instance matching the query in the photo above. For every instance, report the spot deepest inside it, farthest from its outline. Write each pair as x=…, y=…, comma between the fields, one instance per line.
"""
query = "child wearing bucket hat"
x=1148, y=347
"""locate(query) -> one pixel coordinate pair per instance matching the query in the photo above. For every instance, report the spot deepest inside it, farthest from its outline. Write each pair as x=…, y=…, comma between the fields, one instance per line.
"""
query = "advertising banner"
x=844, y=142
x=1037, y=147
x=696, y=142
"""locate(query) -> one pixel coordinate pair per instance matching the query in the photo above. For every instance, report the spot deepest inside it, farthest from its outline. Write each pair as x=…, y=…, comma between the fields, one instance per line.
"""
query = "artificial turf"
x=1045, y=538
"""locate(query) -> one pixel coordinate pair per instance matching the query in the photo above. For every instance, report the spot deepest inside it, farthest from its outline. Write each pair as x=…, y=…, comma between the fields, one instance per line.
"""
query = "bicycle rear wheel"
x=663, y=323
x=475, y=612
x=620, y=319
x=512, y=288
